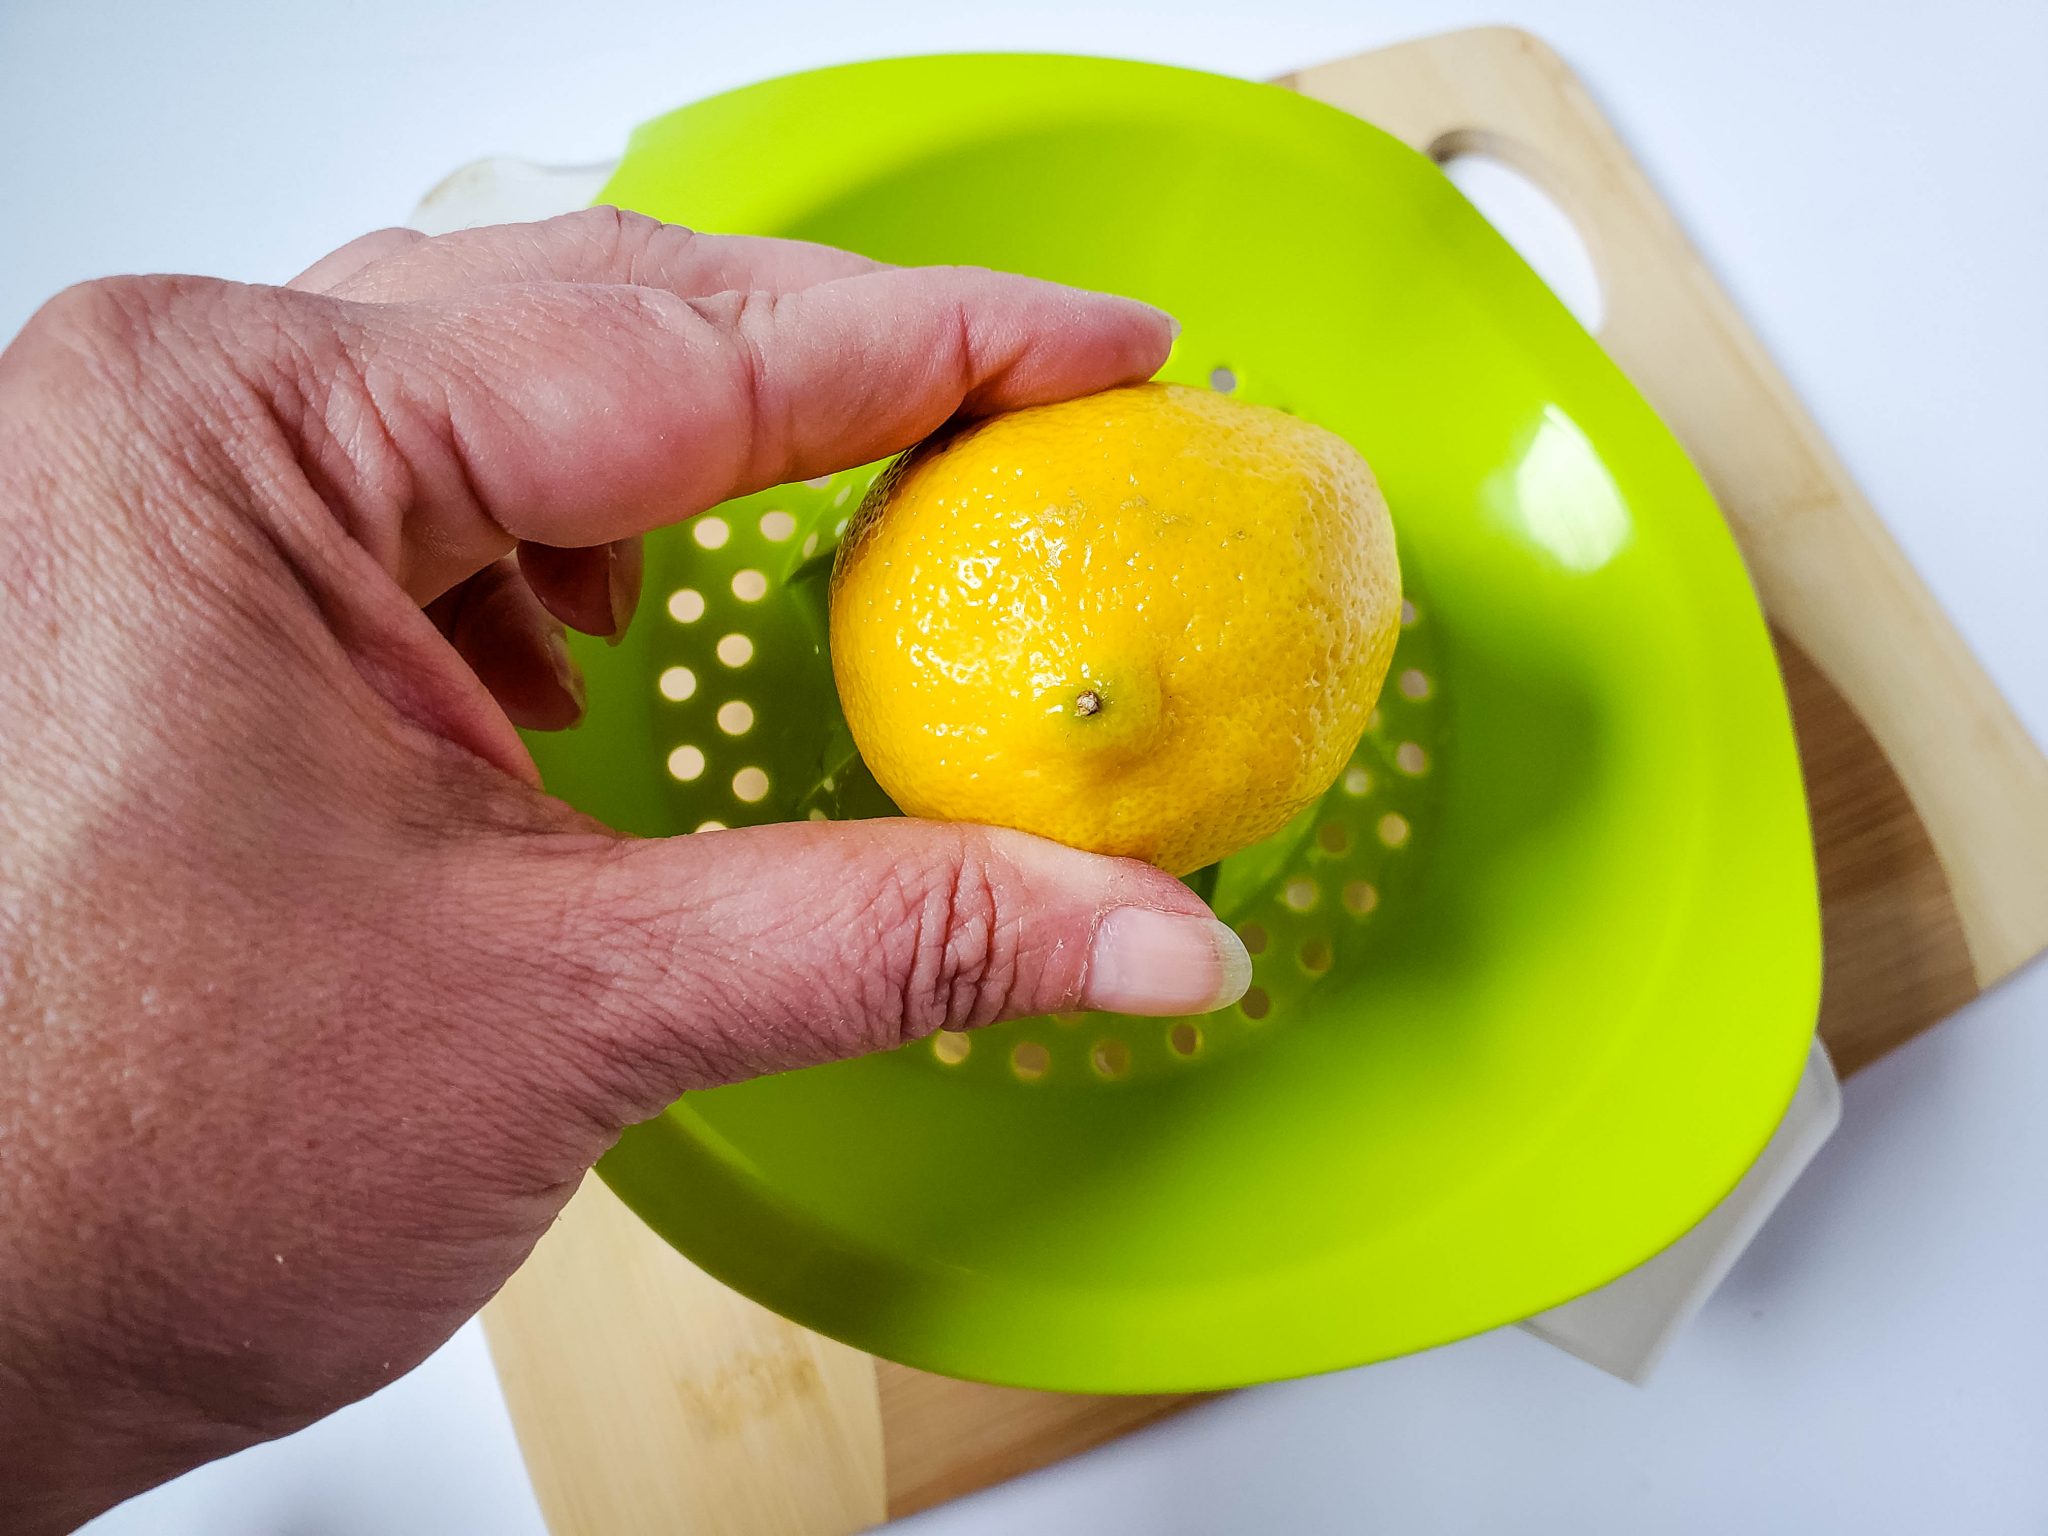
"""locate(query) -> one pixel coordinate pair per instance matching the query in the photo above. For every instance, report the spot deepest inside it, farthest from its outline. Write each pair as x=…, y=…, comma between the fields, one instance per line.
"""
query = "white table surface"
x=1867, y=180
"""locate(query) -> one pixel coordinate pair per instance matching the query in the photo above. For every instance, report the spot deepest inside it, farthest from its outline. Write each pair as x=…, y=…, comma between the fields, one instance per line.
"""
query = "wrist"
x=82, y=1426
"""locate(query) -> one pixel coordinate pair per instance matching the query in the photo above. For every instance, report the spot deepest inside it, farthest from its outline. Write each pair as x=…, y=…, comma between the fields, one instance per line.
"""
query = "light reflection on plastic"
x=1565, y=499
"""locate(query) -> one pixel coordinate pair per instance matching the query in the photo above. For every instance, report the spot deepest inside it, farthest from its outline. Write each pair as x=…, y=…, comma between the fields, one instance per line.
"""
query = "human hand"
x=314, y=1007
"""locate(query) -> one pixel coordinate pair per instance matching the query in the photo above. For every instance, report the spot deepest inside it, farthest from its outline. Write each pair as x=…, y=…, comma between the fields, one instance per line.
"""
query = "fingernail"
x=1164, y=963
x=1174, y=321
x=567, y=674
x=622, y=571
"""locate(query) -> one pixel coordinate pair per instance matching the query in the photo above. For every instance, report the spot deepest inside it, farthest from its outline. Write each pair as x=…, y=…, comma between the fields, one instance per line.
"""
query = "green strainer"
x=1533, y=983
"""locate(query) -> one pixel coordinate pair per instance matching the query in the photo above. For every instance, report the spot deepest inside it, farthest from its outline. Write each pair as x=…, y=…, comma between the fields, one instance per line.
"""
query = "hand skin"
x=314, y=1008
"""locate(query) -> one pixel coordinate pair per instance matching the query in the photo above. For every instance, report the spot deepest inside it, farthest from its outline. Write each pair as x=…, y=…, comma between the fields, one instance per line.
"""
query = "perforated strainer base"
x=1587, y=986
x=754, y=733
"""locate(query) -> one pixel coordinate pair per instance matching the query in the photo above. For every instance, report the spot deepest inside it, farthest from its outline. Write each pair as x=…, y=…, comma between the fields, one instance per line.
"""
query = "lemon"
x=1148, y=622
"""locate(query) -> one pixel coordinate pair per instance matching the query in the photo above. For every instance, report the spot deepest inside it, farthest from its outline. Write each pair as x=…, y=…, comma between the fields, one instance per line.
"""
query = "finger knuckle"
x=112, y=303
x=949, y=945
x=109, y=320
x=617, y=234
x=116, y=364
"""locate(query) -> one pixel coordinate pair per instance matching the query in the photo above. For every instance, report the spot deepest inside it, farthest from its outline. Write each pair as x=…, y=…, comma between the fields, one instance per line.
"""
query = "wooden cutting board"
x=649, y=1398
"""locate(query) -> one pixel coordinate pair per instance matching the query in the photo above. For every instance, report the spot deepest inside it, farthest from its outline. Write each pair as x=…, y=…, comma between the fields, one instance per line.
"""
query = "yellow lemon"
x=1148, y=622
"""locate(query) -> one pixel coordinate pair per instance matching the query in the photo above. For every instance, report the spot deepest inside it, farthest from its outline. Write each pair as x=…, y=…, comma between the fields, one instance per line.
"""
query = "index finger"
x=572, y=414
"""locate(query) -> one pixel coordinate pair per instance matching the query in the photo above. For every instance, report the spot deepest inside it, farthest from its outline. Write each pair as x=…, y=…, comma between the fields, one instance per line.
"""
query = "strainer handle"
x=1821, y=561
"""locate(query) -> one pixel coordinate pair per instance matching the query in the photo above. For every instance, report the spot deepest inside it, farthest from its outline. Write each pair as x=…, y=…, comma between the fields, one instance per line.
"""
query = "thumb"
x=726, y=955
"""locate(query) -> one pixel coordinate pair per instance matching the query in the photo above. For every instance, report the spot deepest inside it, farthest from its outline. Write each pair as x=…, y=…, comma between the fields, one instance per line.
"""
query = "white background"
x=1867, y=180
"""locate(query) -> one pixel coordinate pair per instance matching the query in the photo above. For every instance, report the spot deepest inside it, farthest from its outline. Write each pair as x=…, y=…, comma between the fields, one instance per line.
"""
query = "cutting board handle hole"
x=1529, y=219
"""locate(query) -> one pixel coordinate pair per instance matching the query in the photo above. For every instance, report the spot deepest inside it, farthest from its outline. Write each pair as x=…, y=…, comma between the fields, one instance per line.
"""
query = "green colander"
x=1535, y=980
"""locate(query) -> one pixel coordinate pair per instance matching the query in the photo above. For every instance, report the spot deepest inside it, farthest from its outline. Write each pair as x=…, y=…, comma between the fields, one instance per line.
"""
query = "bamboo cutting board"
x=649, y=1398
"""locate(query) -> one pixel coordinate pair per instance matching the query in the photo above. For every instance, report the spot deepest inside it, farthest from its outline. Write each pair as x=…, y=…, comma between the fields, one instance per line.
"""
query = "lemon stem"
x=1087, y=703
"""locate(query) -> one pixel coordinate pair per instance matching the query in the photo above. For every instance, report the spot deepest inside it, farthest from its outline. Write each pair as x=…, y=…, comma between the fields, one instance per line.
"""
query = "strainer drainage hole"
x=1407, y=613
x=1410, y=758
x=749, y=586
x=686, y=606
x=751, y=785
x=810, y=545
x=1315, y=956
x=1357, y=782
x=1361, y=896
x=950, y=1047
x=1300, y=893
x=677, y=683
x=1068, y=1020
x=736, y=717
x=686, y=763
x=1415, y=684
x=735, y=650
x=777, y=526
x=1030, y=1061
x=712, y=825
x=710, y=532
x=1184, y=1039
x=1110, y=1058
x=1222, y=379
x=1256, y=1004
x=1393, y=829
x=1334, y=836
x=1254, y=938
